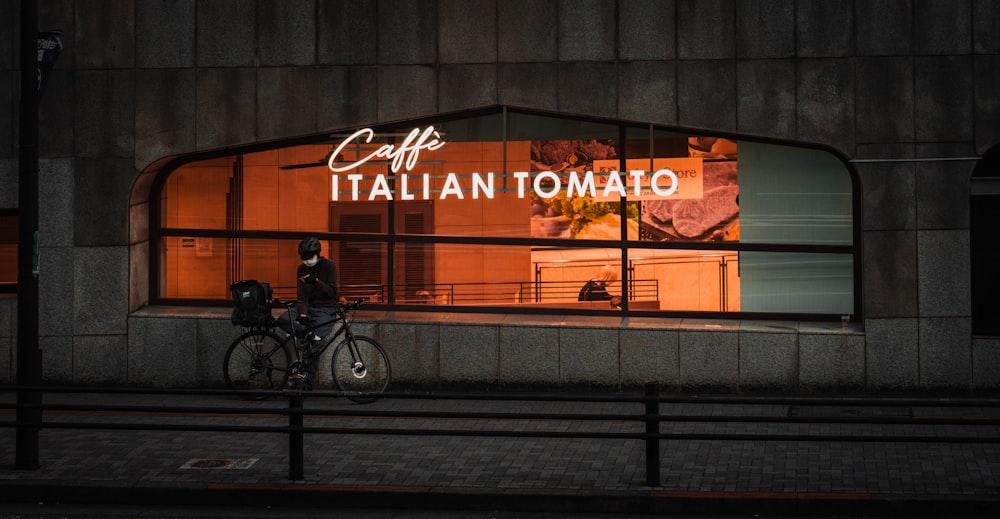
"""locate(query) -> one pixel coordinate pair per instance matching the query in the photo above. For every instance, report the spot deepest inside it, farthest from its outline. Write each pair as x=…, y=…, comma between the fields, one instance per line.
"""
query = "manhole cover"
x=219, y=463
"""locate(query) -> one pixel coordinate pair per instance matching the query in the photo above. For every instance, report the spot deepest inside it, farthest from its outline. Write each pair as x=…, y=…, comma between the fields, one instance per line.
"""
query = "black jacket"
x=320, y=289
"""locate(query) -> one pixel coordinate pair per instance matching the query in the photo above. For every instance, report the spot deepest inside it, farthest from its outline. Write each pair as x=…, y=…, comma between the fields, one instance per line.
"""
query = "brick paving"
x=593, y=474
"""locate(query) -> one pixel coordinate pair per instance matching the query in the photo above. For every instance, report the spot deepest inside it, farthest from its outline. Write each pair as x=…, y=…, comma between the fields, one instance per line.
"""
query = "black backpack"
x=253, y=303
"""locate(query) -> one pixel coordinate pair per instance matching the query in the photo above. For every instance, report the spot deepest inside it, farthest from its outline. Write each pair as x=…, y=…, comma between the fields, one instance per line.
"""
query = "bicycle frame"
x=340, y=316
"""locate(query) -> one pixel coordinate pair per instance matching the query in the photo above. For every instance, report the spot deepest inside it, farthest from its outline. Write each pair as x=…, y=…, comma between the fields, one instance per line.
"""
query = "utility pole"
x=29, y=357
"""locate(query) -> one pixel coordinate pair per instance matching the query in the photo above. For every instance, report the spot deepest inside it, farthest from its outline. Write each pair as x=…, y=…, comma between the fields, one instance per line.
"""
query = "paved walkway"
x=747, y=475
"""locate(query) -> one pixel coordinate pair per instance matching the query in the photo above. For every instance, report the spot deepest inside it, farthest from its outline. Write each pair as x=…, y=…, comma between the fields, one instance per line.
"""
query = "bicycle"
x=262, y=359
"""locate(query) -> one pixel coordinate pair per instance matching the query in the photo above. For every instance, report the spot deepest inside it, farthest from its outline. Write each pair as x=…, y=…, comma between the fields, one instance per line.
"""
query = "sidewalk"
x=509, y=473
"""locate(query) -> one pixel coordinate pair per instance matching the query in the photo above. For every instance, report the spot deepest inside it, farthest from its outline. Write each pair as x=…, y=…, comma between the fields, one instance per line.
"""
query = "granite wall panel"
x=942, y=26
x=891, y=354
x=56, y=136
x=765, y=29
x=407, y=33
x=104, y=117
x=102, y=360
x=527, y=85
x=884, y=27
x=888, y=195
x=885, y=100
x=286, y=102
x=943, y=95
x=165, y=114
x=227, y=33
x=945, y=353
x=890, y=274
x=104, y=34
x=706, y=94
x=647, y=30
x=986, y=99
x=100, y=291
x=347, y=33
x=985, y=27
x=943, y=273
x=526, y=31
x=466, y=86
x=597, y=41
x=97, y=220
x=223, y=115
x=467, y=31
x=825, y=104
x=706, y=29
x=286, y=32
x=824, y=28
x=165, y=33
x=587, y=87
x=420, y=87
x=765, y=102
x=346, y=96
x=647, y=92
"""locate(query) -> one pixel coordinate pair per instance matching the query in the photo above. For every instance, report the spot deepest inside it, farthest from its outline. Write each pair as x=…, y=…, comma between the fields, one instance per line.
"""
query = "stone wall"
x=874, y=80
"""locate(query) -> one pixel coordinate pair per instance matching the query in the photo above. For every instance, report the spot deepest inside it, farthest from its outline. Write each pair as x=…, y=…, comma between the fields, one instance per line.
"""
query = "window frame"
x=157, y=232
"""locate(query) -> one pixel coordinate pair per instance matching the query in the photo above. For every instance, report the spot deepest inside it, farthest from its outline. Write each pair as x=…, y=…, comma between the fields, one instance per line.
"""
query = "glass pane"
x=794, y=195
x=203, y=268
x=797, y=283
x=683, y=280
x=510, y=276
x=703, y=207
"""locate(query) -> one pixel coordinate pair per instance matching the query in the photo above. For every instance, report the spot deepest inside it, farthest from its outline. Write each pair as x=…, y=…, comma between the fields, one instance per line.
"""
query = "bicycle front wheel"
x=259, y=360
x=360, y=368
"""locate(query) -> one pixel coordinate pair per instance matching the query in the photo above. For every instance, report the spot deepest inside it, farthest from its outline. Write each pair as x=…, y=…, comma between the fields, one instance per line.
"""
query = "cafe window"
x=515, y=211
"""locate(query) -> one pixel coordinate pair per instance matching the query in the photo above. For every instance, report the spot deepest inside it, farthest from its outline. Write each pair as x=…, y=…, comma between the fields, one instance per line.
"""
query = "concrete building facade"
x=907, y=90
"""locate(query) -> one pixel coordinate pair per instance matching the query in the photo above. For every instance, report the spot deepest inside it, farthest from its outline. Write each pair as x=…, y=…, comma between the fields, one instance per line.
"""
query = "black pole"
x=652, y=434
x=29, y=357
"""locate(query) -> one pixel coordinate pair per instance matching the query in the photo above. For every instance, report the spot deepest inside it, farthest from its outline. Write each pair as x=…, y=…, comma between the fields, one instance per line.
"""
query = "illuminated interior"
x=514, y=210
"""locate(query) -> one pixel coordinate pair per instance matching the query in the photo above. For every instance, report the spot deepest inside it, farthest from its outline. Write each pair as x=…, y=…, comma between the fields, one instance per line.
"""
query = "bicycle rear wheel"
x=360, y=368
x=258, y=359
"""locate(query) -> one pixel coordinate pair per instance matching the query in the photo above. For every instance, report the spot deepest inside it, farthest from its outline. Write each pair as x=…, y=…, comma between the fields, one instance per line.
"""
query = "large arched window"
x=514, y=211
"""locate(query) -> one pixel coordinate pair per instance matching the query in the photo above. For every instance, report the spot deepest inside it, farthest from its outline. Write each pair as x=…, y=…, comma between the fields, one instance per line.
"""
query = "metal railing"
x=31, y=410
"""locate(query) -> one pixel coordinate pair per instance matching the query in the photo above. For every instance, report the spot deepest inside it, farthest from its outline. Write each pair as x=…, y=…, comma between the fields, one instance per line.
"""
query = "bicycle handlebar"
x=288, y=303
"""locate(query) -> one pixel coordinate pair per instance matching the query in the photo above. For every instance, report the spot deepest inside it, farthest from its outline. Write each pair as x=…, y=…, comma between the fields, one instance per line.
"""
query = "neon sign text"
x=406, y=153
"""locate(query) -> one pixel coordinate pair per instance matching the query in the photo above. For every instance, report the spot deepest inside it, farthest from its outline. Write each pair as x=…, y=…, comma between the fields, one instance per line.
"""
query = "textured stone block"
x=985, y=363
x=57, y=359
x=55, y=289
x=55, y=195
x=706, y=94
x=891, y=353
x=985, y=37
x=467, y=31
x=527, y=85
x=55, y=116
x=705, y=29
x=9, y=107
x=286, y=101
x=646, y=29
x=890, y=274
x=212, y=339
x=8, y=317
x=406, y=33
x=942, y=191
x=100, y=201
x=884, y=28
x=768, y=361
x=347, y=33
x=138, y=280
x=10, y=40
x=346, y=97
x=597, y=42
x=987, y=101
x=943, y=26
x=946, y=353
x=647, y=92
x=466, y=86
x=588, y=356
x=889, y=195
x=103, y=34
x=413, y=350
x=588, y=88
x=7, y=375
x=709, y=360
x=529, y=356
x=100, y=293
x=885, y=100
x=224, y=117
x=831, y=362
x=227, y=33
x=469, y=354
x=766, y=91
x=526, y=30
x=943, y=93
x=104, y=118
x=9, y=173
x=287, y=32
x=824, y=28
x=943, y=273
x=649, y=355
x=103, y=360
x=825, y=110
x=164, y=33
x=165, y=117
x=406, y=91
x=765, y=29
x=162, y=351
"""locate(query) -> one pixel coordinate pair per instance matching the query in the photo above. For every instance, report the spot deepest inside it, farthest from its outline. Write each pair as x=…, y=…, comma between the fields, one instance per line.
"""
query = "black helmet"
x=309, y=247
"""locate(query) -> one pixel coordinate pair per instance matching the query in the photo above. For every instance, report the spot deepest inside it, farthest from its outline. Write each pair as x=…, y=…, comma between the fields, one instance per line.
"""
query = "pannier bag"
x=253, y=303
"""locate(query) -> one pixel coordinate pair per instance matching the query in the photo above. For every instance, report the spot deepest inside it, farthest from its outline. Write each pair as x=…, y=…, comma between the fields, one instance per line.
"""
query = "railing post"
x=295, y=438
x=652, y=434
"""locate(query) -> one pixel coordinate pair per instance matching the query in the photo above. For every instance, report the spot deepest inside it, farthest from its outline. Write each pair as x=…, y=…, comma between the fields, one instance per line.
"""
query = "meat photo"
x=695, y=217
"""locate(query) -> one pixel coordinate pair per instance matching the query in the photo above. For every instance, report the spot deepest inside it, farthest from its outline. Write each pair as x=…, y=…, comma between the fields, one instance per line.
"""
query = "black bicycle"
x=263, y=358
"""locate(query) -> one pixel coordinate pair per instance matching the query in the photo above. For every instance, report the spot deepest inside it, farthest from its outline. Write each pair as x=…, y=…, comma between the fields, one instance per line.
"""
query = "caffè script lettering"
x=545, y=184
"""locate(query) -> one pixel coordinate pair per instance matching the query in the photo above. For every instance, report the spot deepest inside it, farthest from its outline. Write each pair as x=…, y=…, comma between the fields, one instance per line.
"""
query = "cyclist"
x=316, y=291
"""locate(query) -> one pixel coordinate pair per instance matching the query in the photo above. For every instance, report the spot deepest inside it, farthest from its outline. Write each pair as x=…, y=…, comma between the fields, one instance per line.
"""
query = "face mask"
x=311, y=262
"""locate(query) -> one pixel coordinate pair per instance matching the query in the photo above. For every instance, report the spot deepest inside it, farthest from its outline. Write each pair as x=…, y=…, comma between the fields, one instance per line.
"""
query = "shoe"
x=294, y=380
